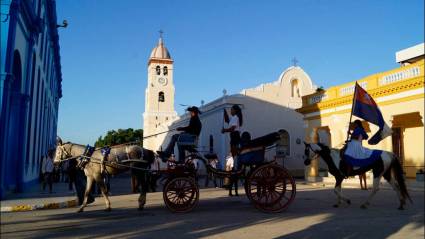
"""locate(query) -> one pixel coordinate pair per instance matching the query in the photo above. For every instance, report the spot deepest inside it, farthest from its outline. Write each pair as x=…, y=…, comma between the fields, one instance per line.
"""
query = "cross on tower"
x=294, y=61
x=160, y=33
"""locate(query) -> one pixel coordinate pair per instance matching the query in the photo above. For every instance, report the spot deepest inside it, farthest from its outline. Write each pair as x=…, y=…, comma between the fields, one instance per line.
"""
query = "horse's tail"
x=398, y=174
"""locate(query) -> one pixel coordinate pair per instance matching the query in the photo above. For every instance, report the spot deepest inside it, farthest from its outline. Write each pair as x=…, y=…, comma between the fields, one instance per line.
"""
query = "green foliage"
x=120, y=136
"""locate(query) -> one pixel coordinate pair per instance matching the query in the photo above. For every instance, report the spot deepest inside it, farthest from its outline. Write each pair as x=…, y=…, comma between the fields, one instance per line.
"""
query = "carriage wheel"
x=270, y=188
x=181, y=194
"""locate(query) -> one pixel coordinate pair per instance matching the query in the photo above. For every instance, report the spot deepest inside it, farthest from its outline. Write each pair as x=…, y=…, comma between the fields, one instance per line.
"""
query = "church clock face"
x=162, y=81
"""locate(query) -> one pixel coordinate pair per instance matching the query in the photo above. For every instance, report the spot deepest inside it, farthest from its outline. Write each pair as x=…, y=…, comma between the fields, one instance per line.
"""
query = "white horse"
x=387, y=166
x=121, y=159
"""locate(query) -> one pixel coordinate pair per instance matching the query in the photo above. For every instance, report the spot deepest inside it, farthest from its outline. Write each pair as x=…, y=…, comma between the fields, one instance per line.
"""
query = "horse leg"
x=144, y=188
x=101, y=184
x=338, y=192
x=375, y=189
x=394, y=185
x=86, y=193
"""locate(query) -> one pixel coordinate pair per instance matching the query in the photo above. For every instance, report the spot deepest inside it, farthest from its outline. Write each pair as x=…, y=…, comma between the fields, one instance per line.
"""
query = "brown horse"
x=121, y=158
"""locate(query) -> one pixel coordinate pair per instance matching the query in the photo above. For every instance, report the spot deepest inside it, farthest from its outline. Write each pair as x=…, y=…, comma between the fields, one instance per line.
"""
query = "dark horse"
x=388, y=167
x=121, y=158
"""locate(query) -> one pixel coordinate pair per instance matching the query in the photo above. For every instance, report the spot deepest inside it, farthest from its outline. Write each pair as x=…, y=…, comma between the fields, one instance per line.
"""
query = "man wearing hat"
x=193, y=129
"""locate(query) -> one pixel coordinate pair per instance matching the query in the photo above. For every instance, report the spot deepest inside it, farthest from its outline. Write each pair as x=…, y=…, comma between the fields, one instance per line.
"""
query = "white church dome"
x=160, y=51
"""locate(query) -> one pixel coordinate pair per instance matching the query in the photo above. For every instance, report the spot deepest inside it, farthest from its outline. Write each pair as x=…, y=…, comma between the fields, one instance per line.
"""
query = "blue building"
x=30, y=89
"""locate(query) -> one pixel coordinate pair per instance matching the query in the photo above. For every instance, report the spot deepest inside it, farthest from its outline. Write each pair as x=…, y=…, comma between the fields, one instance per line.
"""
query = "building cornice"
x=398, y=87
x=160, y=61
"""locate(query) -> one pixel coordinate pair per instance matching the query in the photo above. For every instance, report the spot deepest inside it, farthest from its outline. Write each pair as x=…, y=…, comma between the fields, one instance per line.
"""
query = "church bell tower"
x=159, y=96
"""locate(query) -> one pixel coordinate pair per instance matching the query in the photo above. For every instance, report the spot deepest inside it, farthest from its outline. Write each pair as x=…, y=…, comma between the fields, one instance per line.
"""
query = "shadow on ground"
x=310, y=216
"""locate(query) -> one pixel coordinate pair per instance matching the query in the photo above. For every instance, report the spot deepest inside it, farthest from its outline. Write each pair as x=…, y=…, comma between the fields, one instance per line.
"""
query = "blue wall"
x=31, y=89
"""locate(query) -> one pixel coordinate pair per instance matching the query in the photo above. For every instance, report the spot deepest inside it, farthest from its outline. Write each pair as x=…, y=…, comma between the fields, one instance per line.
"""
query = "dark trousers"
x=212, y=177
x=153, y=178
x=170, y=147
x=233, y=182
x=71, y=179
x=80, y=187
x=48, y=179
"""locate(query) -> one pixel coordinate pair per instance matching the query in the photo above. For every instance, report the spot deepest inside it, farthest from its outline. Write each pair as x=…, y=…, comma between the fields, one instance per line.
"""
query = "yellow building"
x=399, y=94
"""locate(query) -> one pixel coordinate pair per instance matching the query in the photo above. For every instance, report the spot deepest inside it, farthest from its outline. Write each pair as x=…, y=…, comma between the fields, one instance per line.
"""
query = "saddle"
x=105, y=154
x=88, y=151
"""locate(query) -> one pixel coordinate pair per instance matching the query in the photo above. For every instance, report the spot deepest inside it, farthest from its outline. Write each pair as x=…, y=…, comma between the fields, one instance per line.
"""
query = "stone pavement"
x=311, y=215
x=35, y=199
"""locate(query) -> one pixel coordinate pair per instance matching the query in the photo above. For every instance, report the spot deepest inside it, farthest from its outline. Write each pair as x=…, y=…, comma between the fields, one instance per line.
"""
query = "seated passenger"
x=193, y=129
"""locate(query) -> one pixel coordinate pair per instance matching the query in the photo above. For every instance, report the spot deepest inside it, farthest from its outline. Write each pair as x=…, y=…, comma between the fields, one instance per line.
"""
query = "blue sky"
x=216, y=45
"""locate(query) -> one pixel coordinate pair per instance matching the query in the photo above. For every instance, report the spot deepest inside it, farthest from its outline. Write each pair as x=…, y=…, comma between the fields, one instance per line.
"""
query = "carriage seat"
x=188, y=142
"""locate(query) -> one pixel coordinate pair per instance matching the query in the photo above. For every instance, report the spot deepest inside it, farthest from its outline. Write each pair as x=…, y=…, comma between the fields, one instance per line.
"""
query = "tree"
x=120, y=136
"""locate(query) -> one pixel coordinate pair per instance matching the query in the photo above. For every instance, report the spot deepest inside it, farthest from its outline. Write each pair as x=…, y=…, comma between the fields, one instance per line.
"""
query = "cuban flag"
x=365, y=108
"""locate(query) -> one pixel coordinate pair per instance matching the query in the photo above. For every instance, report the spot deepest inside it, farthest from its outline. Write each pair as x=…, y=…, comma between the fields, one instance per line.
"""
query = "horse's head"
x=63, y=151
x=314, y=151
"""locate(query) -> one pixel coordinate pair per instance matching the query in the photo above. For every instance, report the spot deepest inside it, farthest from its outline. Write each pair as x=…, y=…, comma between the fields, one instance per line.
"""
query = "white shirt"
x=213, y=163
x=229, y=162
x=234, y=121
x=195, y=163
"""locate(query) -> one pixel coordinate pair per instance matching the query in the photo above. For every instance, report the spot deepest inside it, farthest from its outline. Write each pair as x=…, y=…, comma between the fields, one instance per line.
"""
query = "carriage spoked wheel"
x=270, y=188
x=181, y=194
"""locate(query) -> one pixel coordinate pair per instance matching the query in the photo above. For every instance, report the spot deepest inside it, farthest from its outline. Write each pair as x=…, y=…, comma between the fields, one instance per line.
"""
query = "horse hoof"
x=335, y=205
x=108, y=209
x=80, y=210
x=140, y=208
x=363, y=206
x=348, y=201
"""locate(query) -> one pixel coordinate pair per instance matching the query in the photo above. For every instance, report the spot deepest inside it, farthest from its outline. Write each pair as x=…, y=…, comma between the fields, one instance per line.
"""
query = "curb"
x=54, y=205
x=354, y=186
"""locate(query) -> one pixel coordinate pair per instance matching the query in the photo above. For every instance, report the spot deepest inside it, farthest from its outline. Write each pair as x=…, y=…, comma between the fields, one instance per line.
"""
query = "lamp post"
x=64, y=24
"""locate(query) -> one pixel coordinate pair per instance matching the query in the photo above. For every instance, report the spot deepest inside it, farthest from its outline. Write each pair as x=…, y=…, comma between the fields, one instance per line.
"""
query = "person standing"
x=154, y=175
x=47, y=170
x=235, y=123
x=213, y=163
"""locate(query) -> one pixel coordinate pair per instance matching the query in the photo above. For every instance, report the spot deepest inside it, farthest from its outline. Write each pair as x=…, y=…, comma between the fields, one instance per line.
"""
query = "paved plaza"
x=219, y=216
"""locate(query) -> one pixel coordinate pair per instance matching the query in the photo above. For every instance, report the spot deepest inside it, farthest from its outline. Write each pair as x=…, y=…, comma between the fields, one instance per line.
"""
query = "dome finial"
x=160, y=37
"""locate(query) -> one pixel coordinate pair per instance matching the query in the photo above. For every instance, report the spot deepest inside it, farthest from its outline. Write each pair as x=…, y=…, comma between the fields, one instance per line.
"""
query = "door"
x=397, y=140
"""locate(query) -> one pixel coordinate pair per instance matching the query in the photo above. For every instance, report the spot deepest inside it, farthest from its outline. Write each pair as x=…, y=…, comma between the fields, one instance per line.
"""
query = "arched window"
x=295, y=91
x=211, y=143
x=161, y=97
x=158, y=70
x=283, y=145
x=165, y=70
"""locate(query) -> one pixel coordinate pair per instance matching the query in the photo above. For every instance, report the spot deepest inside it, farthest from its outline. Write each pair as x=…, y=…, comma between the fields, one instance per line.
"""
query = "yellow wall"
x=398, y=91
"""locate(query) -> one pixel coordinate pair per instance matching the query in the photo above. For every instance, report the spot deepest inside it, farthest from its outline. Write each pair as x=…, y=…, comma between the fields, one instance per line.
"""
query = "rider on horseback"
x=356, y=155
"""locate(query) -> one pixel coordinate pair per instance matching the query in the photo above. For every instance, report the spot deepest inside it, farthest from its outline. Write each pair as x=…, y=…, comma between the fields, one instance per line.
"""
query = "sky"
x=216, y=45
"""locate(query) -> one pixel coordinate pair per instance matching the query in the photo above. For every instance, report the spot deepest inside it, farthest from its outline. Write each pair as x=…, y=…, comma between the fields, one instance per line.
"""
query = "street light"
x=64, y=24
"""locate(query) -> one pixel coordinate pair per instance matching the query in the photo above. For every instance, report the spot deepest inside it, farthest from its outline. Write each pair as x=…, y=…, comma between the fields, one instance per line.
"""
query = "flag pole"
x=352, y=108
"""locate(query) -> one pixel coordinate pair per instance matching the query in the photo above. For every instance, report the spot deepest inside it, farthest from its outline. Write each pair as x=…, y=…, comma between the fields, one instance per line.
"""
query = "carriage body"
x=268, y=186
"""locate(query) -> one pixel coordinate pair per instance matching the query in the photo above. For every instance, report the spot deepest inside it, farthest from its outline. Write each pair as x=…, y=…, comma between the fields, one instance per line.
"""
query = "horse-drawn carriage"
x=267, y=185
